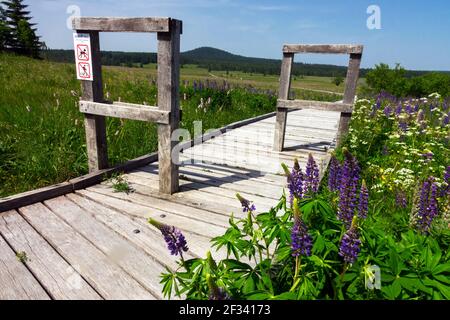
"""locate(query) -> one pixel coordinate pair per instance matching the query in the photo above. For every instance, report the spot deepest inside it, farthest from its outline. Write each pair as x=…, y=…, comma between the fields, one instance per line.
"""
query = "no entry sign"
x=83, y=57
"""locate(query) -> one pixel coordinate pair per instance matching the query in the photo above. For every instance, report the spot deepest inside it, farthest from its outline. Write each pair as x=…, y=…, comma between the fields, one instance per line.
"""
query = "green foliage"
x=22, y=256
x=396, y=82
x=120, y=184
x=338, y=80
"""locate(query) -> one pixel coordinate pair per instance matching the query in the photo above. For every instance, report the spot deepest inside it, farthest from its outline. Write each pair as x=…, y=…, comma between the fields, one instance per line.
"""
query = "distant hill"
x=214, y=59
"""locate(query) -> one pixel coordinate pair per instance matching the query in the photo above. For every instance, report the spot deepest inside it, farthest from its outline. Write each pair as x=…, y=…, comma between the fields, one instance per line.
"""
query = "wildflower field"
x=376, y=227
x=42, y=131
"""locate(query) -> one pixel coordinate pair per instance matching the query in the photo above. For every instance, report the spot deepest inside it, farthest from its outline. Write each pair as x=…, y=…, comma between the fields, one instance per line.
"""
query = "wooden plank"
x=58, y=278
x=144, y=268
x=317, y=105
x=95, y=126
x=117, y=110
x=16, y=282
x=168, y=100
x=147, y=240
x=29, y=197
x=145, y=178
x=198, y=243
x=323, y=48
x=122, y=24
x=351, y=81
x=344, y=125
x=283, y=93
x=108, y=279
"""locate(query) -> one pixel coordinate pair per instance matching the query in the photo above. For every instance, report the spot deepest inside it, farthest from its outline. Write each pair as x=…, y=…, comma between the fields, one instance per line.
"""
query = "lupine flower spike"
x=247, y=206
x=333, y=174
x=363, y=201
x=175, y=240
x=348, y=185
x=295, y=180
x=427, y=207
x=301, y=240
x=350, y=244
x=312, y=175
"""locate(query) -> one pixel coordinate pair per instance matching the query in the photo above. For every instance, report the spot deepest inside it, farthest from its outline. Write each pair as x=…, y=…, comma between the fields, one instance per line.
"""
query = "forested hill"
x=213, y=59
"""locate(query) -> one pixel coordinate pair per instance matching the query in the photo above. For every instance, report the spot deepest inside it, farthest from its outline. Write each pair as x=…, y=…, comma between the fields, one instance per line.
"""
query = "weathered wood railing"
x=166, y=114
x=345, y=108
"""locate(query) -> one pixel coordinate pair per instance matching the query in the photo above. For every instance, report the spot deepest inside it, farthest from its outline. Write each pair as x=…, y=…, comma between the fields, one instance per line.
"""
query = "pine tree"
x=23, y=38
x=5, y=33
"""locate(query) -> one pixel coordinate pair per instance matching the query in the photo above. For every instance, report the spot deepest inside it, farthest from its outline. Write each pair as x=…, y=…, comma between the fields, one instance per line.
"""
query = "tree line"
x=17, y=32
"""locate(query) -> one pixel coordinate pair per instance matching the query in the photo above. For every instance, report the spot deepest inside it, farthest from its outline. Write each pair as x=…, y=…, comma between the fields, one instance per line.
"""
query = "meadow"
x=42, y=132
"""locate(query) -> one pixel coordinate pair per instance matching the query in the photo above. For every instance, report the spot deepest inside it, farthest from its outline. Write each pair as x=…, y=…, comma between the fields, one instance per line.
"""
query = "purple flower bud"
x=350, y=244
x=401, y=199
x=175, y=240
x=295, y=181
x=387, y=111
x=301, y=240
x=247, y=206
x=333, y=173
x=348, y=186
x=312, y=175
x=427, y=208
x=398, y=110
x=215, y=293
x=363, y=205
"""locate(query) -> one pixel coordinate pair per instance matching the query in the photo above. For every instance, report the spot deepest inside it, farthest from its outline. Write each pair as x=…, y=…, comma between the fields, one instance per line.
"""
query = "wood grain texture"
x=95, y=126
x=283, y=93
x=108, y=279
x=323, y=48
x=16, y=282
x=351, y=81
x=113, y=24
x=316, y=105
x=168, y=100
x=126, y=111
x=139, y=265
x=58, y=278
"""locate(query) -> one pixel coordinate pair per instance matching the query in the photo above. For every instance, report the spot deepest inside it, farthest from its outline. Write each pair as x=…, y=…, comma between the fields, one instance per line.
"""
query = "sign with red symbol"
x=83, y=57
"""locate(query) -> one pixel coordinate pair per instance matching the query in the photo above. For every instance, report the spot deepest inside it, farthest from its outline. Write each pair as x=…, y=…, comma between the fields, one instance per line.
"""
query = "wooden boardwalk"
x=95, y=243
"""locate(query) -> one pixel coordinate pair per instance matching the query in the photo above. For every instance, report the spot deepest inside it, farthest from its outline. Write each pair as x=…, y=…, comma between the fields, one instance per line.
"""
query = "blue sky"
x=414, y=33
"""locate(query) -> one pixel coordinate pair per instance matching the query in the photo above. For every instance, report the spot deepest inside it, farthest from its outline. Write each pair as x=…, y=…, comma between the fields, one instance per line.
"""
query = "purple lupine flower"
x=295, y=180
x=247, y=205
x=400, y=199
x=350, y=244
x=447, y=179
x=398, y=110
x=416, y=108
x=387, y=111
x=445, y=120
x=363, y=204
x=301, y=240
x=428, y=156
x=348, y=185
x=403, y=125
x=333, y=174
x=427, y=208
x=408, y=109
x=312, y=175
x=175, y=240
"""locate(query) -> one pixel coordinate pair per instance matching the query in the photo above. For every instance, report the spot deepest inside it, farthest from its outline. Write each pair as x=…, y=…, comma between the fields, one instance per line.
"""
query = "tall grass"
x=42, y=132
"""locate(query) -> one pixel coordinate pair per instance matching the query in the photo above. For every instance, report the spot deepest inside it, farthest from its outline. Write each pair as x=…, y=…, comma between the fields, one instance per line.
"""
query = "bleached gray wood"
x=351, y=81
x=168, y=100
x=283, y=93
x=124, y=111
x=317, y=105
x=16, y=282
x=139, y=265
x=122, y=24
x=108, y=279
x=95, y=126
x=30, y=197
x=323, y=48
x=344, y=124
x=58, y=278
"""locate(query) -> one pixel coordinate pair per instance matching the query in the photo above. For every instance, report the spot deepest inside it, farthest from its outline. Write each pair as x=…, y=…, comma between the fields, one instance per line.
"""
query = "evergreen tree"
x=5, y=33
x=23, y=38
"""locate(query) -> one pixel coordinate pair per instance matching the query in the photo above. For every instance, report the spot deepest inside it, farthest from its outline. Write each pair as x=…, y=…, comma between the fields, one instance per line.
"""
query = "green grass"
x=42, y=132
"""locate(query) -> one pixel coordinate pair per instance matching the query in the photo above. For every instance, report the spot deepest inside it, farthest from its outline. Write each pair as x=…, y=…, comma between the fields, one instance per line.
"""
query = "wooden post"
x=95, y=125
x=351, y=83
x=168, y=100
x=283, y=93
